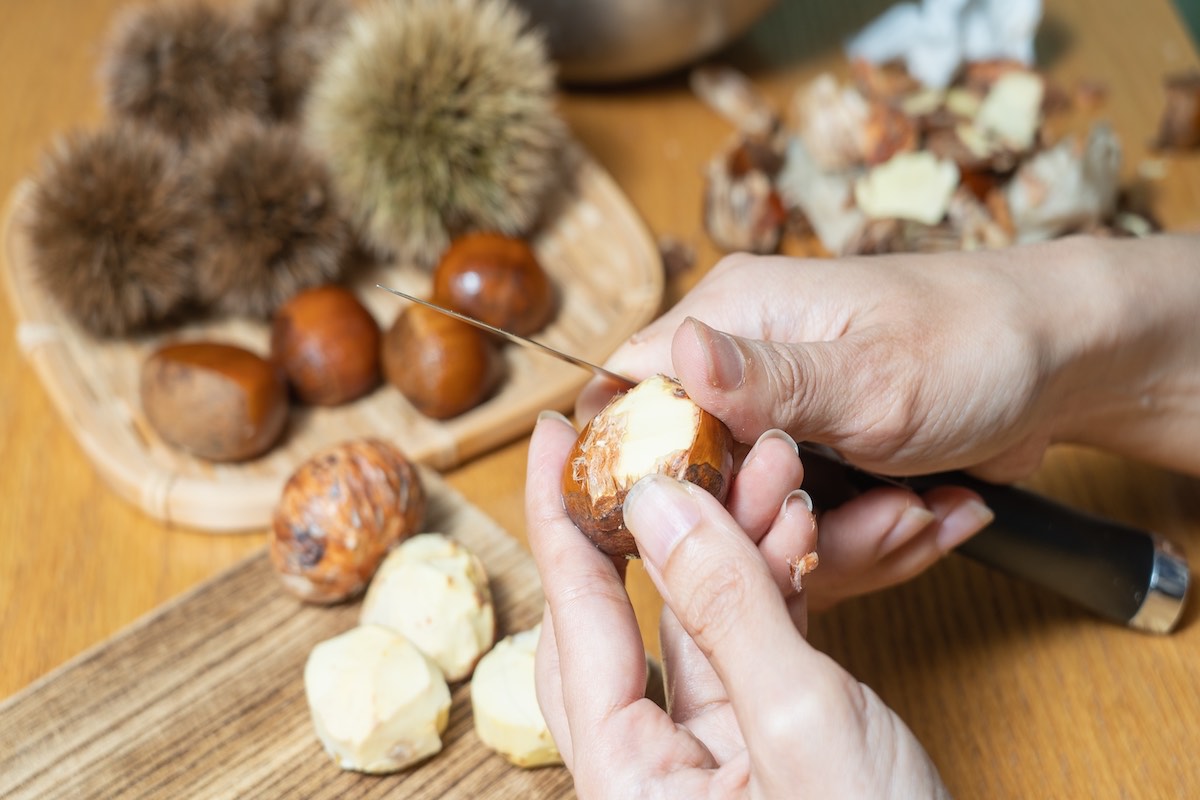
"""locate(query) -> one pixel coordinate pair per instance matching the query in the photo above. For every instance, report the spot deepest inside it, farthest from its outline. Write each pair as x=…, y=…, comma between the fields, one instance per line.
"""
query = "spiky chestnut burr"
x=437, y=118
x=179, y=67
x=111, y=229
x=268, y=219
x=297, y=35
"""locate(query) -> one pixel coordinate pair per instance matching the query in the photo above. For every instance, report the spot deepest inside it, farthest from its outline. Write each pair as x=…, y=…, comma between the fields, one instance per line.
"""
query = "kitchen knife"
x=1125, y=574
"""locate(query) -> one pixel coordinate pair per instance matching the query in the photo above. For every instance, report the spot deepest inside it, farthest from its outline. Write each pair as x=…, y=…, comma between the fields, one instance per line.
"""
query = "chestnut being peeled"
x=653, y=428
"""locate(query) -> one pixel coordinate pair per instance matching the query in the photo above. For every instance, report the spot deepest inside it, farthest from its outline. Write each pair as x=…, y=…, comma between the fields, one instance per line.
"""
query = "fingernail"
x=797, y=496
x=773, y=433
x=659, y=511
x=962, y=523
x=912, y=521
x=726, y=364
x=550, y=413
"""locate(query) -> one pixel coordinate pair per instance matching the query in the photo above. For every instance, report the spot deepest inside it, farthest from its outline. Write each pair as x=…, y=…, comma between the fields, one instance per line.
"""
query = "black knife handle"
x=1122, y=573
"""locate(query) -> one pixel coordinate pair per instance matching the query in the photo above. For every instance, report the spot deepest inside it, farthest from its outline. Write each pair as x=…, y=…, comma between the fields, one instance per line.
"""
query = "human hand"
x=904, y=364
x=754, y=710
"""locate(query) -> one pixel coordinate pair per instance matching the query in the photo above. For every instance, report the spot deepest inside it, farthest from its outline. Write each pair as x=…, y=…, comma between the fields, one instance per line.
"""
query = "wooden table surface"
x=1014, y=692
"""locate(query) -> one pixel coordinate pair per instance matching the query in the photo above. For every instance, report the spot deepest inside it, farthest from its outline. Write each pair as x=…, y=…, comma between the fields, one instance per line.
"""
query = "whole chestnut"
x=495, y=279
x=217, y=401
x=653, y=428
x=327, y=344
x=340, y=513
x=441, y=365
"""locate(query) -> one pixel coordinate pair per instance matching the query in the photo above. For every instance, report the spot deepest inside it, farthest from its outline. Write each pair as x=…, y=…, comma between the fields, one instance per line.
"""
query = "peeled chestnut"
x=327, y=343
x=217, y=401
x=495, y=279
x=340, y=513
x=653, y=428
x=442, y=366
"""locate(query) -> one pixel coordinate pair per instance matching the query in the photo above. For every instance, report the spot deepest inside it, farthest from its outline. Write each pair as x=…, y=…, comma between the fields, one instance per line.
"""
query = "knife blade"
x=596, y=369
x=1125, y=574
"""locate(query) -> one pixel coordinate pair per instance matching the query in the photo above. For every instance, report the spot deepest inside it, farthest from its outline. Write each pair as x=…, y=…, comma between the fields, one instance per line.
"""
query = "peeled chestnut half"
x=496, y=279
x=653, y=428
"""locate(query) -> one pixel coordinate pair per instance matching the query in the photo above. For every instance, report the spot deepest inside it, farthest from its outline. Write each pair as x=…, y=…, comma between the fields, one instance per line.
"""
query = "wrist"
x=1115, y=324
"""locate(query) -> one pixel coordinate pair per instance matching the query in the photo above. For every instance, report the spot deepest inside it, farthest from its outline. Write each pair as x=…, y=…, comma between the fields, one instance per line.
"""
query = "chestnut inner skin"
x=595, y=480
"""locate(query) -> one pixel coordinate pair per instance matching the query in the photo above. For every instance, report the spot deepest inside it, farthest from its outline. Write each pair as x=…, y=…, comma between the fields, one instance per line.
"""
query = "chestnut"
x=653, y=428
x=217, y=401
x=441, y=365
x=340, y=513
x=327, y=344
x=495, y=279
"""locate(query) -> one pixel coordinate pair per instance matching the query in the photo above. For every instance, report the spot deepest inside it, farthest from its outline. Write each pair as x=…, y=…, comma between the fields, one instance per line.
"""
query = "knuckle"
x=787, y=378
x=583, y=591
x=715, y=602
x=730, y=263
x=887, y=392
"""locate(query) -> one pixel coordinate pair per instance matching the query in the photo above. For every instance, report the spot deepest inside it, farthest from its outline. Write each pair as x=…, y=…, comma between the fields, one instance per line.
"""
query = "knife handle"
x=1122, y=573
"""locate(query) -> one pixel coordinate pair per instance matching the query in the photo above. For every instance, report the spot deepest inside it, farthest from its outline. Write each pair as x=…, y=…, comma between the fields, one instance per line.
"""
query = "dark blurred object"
x=609, y=41
x=181, y=67
x=1179, y=128
x=1128, y=575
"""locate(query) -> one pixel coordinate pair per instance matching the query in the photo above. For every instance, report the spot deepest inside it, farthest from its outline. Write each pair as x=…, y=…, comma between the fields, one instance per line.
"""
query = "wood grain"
x=205, y=698
x=1013, y=693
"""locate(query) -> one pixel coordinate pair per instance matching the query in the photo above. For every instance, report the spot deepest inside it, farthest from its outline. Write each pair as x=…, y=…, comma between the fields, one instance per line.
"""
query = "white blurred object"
x=1066, y=188
x=916, y=186
x=825, y=198
x=935, y=37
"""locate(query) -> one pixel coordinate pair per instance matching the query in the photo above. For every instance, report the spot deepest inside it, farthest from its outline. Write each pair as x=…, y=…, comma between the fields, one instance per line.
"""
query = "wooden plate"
x=595, y=247
x=205, y=697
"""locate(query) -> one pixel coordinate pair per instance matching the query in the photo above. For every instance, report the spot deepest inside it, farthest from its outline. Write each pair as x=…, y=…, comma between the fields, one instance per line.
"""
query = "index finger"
x=602, y=660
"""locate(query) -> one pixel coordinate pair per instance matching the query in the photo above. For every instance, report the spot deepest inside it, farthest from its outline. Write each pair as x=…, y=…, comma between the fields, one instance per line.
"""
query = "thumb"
x=753, y=386
x=717, y=585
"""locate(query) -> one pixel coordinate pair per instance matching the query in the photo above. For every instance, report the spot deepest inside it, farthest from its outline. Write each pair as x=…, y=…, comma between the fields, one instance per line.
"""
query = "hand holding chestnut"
x=751, y=703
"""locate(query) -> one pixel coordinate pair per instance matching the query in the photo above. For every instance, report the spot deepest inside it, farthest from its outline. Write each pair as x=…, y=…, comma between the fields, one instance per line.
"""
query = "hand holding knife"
x=1125, y=574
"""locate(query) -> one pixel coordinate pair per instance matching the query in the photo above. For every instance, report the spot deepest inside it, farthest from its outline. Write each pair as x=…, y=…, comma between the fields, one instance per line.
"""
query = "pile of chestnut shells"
x=225, y=403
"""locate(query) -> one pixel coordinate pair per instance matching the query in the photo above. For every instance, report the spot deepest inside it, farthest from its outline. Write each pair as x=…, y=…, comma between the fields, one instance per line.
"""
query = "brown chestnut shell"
x=594, y=494
x=496, y=279
x=217, y=401
x=442, y=366
x=340, y=513
x=327, y=343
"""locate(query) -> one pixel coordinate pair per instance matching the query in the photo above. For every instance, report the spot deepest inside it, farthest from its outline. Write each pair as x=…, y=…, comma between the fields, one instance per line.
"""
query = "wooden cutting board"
x=205, y=697
x=591, y=242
